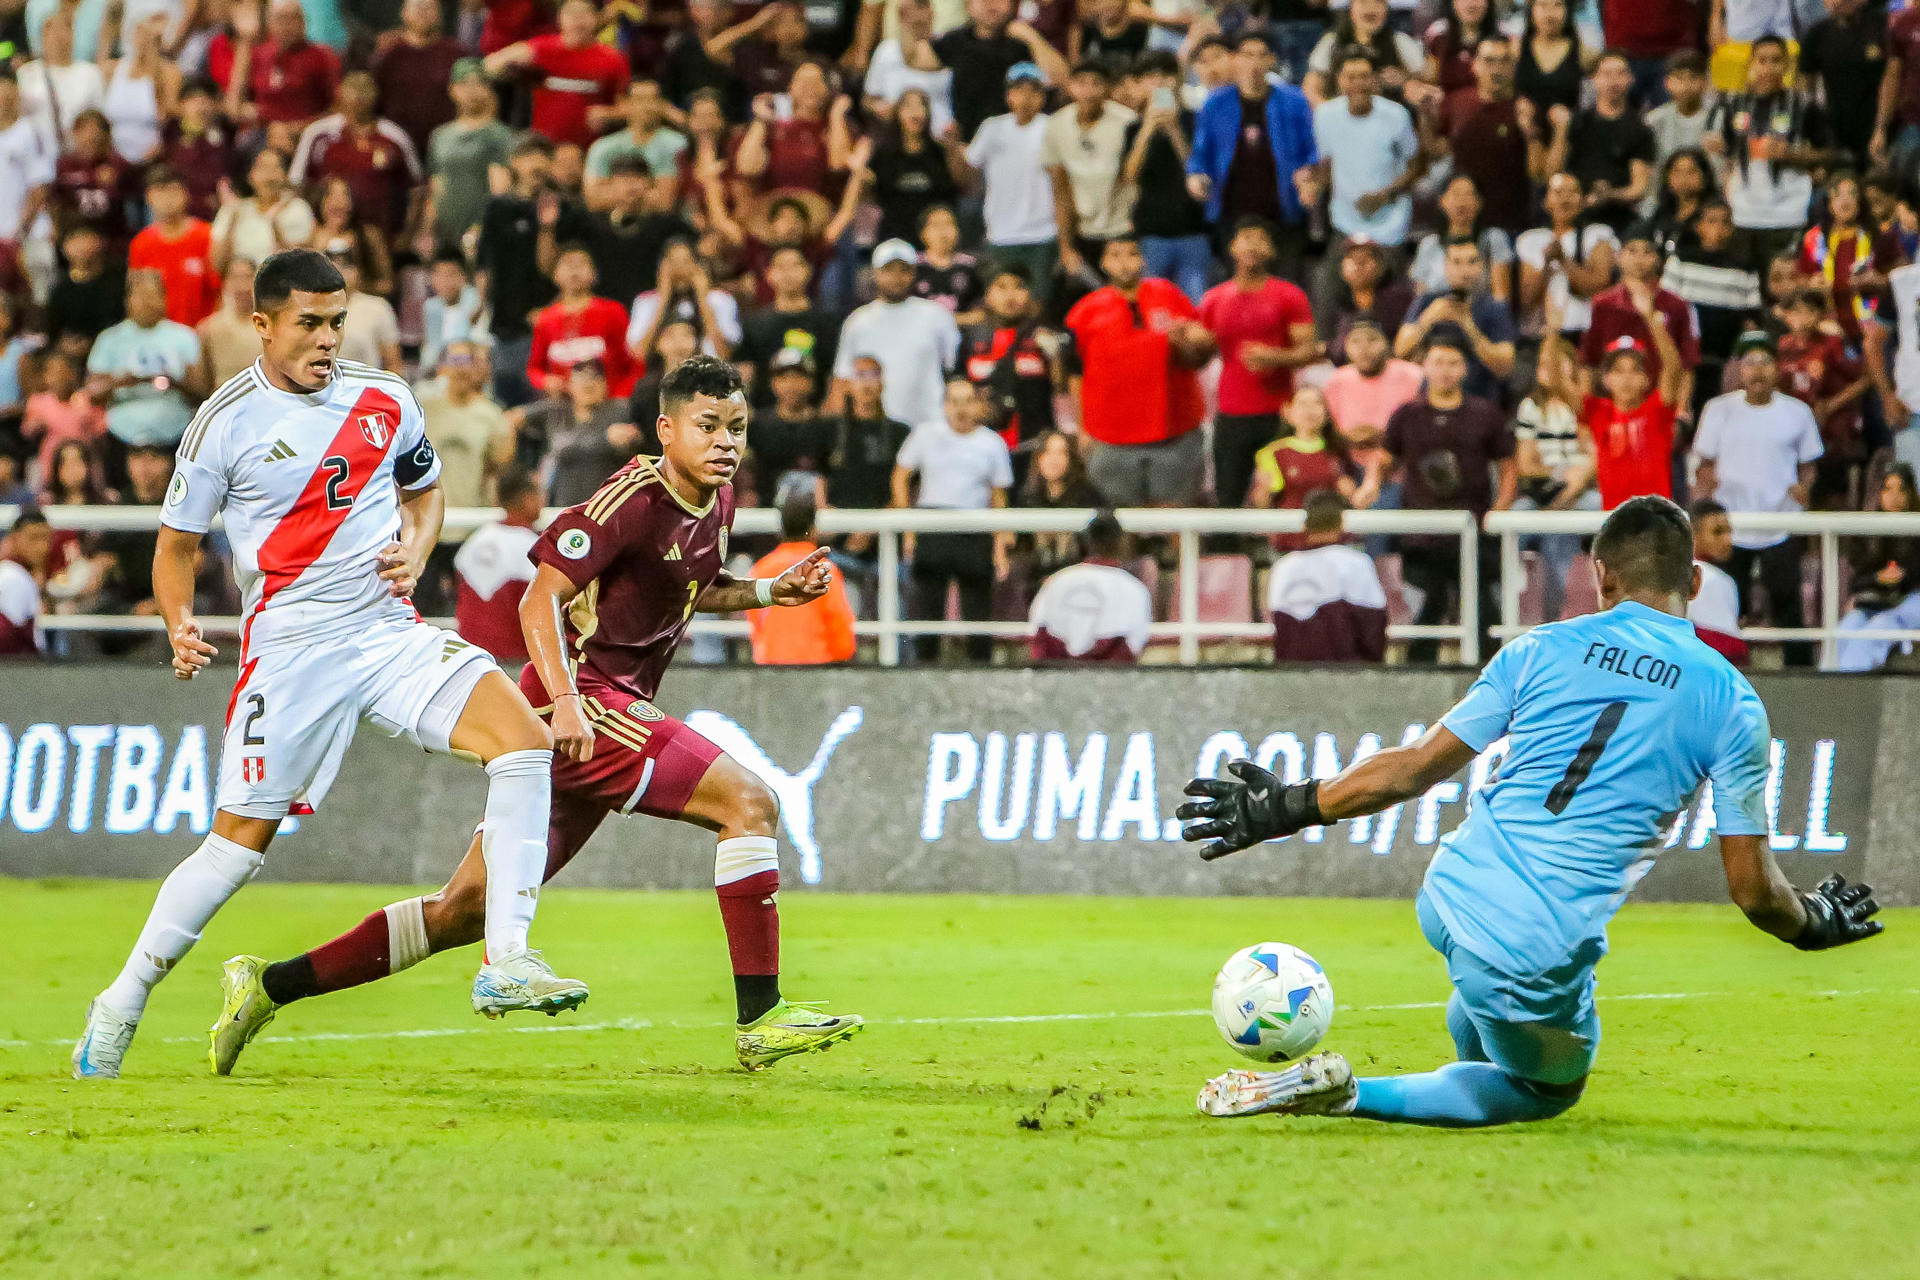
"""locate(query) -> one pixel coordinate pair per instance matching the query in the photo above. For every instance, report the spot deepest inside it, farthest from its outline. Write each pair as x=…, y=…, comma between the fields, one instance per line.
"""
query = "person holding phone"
x=1171, y=224
x=1480, y=323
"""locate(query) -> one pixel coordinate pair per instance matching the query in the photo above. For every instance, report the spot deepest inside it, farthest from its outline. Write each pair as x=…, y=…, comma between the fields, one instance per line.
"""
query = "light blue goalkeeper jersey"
x=1613, y=721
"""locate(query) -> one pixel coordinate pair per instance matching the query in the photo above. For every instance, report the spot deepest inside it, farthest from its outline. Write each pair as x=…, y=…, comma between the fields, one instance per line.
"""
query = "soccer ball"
x=1272, y=1002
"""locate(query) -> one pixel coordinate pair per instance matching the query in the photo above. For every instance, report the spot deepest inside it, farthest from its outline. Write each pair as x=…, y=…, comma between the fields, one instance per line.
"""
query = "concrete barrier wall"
x=931, y=781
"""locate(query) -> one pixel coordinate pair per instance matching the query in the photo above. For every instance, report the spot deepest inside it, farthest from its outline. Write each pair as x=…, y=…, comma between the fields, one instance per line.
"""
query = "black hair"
x=1665, y=206
x=1688, y=61
x=1212, y=42
x=796, y=513
x=513, y=485
x=1324, y=509
x=1354, y=53
x=531, y=144
x=1623, y=57
x=1452, y=342
x=1103, y=536
x=1157, y=62
x=1472, y=242
x=28, y=517
x=199, y=85
x=926, y=215
x=290, y=271
x=1648, y=543
x=1094, y=66
x=1251, y=222
x=1252, y=35
x=631, y=163
x=1571, y=31
x=699, y=375
x=1769, y=38
x=571, y=246
x=1454, y=38
x=452, y=255
x=777, y=250
x=789, y=202
x=1885, y=181
x=161, y=175
x=1018, y=270
x=1703, y=508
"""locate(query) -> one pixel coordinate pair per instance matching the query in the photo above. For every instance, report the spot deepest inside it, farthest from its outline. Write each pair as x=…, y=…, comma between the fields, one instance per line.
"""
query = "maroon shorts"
x=644, y=761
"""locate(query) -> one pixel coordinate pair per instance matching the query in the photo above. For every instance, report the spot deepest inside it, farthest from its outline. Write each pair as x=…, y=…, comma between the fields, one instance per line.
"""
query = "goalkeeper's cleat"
x=1318, y=1086
x=102, y=1044
x=244, y=1011
x=523, y=981
x=788, y=1028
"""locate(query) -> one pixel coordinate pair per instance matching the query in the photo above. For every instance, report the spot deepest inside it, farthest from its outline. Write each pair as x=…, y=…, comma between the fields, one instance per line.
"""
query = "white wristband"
x=763, y=591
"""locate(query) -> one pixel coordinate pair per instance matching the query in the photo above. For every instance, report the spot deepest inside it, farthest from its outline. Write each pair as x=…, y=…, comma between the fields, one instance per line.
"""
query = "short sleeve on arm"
x=199, y=486
x=913, y=454
x=1809, y=446
x=1480, y=718
x=579, y=547
x=415, y=464
x=1707, y=443
x=1739, y=770
x=1001, y=475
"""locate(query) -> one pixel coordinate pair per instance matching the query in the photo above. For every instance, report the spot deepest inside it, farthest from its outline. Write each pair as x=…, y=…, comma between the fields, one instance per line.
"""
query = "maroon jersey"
x=641, y=558
x=94, y=192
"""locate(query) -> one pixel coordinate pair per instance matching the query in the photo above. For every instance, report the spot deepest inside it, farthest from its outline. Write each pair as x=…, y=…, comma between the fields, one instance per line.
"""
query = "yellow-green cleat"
x=245, y=1011
x=791, y=1027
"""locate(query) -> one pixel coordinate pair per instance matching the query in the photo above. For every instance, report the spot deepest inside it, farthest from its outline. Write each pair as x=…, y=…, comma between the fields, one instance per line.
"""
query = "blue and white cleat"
x=523, y=981
x=103, y=1044
x=1318, y=1086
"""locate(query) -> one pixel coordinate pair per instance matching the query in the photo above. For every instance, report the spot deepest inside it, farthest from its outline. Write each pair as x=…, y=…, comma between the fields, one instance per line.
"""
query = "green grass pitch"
x=1022, y=1105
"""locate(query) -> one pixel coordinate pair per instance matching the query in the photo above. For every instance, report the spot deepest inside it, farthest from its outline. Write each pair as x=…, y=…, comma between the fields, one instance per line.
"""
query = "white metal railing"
x=1188, y=526
x=1828, y=526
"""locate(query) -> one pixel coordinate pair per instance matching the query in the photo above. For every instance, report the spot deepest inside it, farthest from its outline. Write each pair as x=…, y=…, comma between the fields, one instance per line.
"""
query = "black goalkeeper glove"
x=1236, y=815
x=1837, y=913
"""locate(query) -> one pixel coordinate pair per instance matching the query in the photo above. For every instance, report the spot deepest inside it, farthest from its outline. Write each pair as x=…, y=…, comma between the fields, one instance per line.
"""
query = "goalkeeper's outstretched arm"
x=1831, y=915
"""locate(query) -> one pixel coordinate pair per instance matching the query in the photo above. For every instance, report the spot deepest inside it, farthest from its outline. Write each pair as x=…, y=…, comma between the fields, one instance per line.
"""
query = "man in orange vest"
x=780, y=637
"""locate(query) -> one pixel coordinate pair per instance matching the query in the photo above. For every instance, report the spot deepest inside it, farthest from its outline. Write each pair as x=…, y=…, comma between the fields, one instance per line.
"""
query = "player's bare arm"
x=175, y=554
x=1254, y=805
x=422, y=512
x=1830, y=915
x=802, y=583
x=542, y=609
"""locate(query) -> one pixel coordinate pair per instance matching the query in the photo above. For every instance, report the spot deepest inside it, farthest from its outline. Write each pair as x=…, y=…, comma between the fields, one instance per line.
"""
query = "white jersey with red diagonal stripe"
x=309, y=488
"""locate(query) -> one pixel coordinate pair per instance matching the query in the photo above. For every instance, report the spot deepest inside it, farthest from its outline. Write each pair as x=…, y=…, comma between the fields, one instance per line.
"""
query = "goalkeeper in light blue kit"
x=1613, y=721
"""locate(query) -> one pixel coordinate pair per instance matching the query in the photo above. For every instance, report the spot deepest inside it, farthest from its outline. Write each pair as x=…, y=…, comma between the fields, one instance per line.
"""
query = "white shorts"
x=294, y=711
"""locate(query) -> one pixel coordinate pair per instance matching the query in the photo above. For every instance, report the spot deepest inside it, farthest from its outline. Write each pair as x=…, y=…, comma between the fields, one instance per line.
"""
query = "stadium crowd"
x=1074, y=253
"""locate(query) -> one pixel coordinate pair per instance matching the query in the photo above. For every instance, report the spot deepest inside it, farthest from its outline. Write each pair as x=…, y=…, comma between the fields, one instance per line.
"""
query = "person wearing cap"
x=179, y=247
x=1369, y=289
x=916, y=341
x=1619, y=311
x=1632, y=424
x=463, y=152
x=1466, y=311
x=1756, y=451
x=1082, y=149
x=789, y=435
x=1016, y=193
x=1253, y=150
x=146, y=369
x=412, y=68
x=981, y=53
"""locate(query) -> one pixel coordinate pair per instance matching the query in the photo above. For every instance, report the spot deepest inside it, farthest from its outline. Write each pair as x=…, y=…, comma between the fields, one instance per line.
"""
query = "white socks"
x=188, y=898
x=513, y=841
x=406, y=934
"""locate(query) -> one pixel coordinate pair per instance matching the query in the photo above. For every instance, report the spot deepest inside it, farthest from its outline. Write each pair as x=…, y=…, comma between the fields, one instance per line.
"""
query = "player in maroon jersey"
x=619, y=578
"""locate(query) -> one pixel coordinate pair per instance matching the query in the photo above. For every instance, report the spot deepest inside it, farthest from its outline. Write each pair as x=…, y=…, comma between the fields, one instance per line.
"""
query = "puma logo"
x=794, y=790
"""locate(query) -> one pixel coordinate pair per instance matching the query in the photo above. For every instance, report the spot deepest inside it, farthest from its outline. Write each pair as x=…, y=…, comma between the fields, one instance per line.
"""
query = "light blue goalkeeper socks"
x=1460, y=1095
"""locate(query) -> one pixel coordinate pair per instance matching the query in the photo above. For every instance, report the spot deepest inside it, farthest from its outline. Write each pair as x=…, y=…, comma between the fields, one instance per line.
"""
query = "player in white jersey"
x=329, y=489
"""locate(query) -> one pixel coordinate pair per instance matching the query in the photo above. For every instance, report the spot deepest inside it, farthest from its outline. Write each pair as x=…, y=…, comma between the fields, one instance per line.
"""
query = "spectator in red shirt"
x=579, y=80
x=1264, y=329
x=1631, y=431
x=1816, y=366
x=92, y=184
x=180, y=248
x=1139, y=342
x=373, y=156
x=412, y=68
x=198, y=145
x=806, y=149
x=577, y=327
x=290, y=79
x=1618, y=313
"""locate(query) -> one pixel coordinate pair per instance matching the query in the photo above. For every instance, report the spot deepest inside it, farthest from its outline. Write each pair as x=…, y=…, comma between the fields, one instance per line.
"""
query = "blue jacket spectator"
x=1286, y=122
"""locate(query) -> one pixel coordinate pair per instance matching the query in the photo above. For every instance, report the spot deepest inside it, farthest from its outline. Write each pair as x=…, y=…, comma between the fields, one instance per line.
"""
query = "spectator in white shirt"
x=1017, y=196
x=1715, y=609
x=1082, y=148
x=1756, y=451
x=1370, y=153
x=1093, y=611
x=888, y=72
x=1326, y=600
x=916, y=340
x=962, y=466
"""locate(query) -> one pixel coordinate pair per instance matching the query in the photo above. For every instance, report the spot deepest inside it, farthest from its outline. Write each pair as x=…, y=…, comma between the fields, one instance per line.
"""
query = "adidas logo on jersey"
x=673, y=552
x=281, y=452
